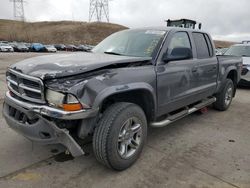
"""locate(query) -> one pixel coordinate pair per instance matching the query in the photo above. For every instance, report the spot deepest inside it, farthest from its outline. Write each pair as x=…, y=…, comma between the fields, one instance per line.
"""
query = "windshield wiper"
x=112, y=53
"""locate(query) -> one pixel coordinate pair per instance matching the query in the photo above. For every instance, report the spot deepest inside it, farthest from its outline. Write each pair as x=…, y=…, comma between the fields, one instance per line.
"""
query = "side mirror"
x=178, y=54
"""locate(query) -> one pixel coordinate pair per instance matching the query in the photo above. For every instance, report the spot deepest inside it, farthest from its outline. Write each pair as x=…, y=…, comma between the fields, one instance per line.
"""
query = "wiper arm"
x=112, y=53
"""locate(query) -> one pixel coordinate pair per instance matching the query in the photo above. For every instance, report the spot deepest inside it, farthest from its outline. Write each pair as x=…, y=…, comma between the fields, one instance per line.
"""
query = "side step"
x=187, y=111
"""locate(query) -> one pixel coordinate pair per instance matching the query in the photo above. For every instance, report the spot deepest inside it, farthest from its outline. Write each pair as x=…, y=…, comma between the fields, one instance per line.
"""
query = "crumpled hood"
x=61, y=65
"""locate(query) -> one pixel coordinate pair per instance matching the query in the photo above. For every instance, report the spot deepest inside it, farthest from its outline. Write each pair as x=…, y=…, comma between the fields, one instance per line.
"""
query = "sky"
x=223, y=19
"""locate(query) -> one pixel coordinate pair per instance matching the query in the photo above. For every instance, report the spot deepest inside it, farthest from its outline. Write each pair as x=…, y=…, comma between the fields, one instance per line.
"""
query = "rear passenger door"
x=207, y=65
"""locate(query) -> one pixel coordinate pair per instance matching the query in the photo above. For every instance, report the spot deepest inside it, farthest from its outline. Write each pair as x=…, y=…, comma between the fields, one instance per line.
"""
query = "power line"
x=99, y=10
x=18, y=9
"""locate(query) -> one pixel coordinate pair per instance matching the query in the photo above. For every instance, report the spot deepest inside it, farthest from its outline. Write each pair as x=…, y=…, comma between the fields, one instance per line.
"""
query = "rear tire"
x=120, y=136
x=224, y=98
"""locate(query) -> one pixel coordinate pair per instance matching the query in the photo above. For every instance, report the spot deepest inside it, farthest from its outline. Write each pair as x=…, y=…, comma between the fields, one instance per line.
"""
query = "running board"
x=187, y=111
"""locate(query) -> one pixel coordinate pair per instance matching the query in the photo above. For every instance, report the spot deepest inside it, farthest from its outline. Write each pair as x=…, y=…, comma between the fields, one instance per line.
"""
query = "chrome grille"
x=26, y=87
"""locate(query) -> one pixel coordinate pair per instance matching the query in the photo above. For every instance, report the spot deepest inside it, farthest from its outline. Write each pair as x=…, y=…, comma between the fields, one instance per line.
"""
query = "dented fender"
x=122, y=89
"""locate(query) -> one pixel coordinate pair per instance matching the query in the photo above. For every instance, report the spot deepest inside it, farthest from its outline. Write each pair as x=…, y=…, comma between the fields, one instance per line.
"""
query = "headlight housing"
x=55, y=98
x=67, y=102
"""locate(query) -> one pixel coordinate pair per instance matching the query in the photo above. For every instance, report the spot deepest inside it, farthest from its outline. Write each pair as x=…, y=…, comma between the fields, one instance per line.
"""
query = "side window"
x=179, y=40
x=201, y=46
x=210, y=47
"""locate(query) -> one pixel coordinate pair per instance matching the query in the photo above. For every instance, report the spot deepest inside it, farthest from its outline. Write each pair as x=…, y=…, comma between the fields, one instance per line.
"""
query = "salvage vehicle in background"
x=133, y=79
x=71, y=48
x=50, y=48
x=6, y=48
x=242, y=50
x=37, y=47
x=83, y=48
x=60, y=47
x=20, y=47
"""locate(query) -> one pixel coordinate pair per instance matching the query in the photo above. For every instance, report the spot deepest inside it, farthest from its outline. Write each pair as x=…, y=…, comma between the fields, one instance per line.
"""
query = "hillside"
x=223, y=44
x=67, y=32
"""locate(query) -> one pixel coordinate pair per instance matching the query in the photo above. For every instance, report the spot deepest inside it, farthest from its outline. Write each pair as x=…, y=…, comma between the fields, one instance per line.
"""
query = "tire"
x=113, y=135
x=224, y=98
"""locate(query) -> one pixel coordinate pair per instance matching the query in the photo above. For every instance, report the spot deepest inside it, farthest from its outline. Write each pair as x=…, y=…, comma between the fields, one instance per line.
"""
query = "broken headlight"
x=67, y=102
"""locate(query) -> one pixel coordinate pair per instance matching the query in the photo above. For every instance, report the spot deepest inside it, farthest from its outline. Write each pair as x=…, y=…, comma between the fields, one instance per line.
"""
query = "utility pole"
x=18, y=9
x=99, y=10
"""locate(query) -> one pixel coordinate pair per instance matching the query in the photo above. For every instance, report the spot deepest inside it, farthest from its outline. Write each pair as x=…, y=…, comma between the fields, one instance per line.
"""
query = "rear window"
x=202, y=46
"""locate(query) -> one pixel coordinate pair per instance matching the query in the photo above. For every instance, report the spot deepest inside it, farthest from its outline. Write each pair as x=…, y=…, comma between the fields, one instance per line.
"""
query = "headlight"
x=55, y=98
x=67, y=102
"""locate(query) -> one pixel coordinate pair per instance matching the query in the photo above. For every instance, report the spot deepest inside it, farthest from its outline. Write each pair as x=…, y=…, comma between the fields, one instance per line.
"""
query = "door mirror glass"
x=177, y=54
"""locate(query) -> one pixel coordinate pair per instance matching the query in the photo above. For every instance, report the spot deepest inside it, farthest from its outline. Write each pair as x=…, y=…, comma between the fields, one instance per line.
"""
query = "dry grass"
x=223, y=44
x=66, y=32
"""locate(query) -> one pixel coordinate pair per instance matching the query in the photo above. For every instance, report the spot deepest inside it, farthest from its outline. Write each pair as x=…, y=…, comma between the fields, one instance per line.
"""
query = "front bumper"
x=50, y=111
x=29, y=120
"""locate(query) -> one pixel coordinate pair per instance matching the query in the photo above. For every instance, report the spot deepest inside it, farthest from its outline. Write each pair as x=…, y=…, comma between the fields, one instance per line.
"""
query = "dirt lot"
x=209, y=150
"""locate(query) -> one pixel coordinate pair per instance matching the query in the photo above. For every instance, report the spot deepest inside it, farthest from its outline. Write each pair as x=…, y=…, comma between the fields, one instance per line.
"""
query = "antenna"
x=99, y=10
x=18, y=9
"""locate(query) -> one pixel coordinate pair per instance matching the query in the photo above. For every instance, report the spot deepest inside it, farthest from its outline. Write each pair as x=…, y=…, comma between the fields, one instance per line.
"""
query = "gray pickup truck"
x=133, y=79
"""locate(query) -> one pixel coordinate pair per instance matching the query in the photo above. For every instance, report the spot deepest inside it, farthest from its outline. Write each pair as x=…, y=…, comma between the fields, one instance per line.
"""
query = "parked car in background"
x=71, y=47
x=6, y=48
x=242, y=50
x=60, y=47
x=50, y=48
x=20, y=47
x=28, y=45
x=84, y=47
x=4, y=41
x=38, y=47
x=90, y=47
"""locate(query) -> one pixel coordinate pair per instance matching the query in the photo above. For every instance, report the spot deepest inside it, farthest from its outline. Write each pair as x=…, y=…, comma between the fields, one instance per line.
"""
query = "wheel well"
x=142, y=98
x=233, y=76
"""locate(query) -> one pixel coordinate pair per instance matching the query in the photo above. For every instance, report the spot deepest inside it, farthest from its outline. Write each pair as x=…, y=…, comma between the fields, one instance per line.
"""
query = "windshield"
x=239, y=51
x=139, y=43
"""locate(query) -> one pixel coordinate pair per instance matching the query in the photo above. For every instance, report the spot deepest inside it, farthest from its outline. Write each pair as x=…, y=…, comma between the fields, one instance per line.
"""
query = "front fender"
x=121, y=89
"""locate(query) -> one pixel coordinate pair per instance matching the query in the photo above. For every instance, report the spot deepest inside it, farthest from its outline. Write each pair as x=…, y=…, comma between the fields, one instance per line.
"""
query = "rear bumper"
x=30, y=121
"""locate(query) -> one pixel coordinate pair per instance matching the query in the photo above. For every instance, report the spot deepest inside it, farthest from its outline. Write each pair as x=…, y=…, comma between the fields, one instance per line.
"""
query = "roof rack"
x=185, y=23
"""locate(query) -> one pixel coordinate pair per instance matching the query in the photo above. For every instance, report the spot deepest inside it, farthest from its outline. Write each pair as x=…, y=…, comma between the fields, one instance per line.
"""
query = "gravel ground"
x=209, y=150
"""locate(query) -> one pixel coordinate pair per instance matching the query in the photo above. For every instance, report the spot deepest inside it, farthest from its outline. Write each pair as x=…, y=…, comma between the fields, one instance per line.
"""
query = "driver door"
x=175, y=79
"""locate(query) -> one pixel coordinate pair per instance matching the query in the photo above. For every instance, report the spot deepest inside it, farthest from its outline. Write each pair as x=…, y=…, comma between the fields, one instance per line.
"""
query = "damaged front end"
x=36, y=123
x=28, y=111
x=51, y=107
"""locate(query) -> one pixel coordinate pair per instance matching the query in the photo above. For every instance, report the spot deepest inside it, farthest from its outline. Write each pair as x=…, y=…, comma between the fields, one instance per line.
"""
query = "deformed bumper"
x=29, y=120
x=50, y=111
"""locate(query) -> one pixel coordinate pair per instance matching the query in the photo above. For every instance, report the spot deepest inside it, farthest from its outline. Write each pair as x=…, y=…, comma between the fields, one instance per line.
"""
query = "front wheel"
x=120, y=136
x=225, y=97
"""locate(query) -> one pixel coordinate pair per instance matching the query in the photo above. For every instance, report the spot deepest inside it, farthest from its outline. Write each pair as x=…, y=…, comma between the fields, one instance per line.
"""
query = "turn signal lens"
x=72, y=107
